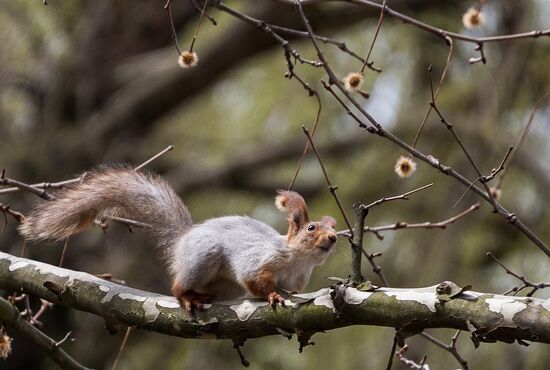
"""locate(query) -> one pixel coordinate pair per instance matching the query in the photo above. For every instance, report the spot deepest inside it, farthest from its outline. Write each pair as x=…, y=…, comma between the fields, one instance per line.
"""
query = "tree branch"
x=489, y=317
x=9, y=315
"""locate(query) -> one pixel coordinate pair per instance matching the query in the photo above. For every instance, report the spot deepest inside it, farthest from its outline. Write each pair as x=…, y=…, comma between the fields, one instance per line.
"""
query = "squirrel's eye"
x=311, y=227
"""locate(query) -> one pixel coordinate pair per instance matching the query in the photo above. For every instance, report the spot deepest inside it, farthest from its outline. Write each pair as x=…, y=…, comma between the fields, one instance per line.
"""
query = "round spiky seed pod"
x=405, y=167
x=188, y=59
x=473, y=18
x=353, y=81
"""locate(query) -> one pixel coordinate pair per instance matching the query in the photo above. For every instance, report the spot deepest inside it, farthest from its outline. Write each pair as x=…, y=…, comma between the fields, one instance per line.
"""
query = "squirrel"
x=227, y=257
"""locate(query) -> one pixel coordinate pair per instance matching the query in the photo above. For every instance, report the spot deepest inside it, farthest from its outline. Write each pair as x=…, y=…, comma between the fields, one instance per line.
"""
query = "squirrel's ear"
x=297, y=210
x=330, y=221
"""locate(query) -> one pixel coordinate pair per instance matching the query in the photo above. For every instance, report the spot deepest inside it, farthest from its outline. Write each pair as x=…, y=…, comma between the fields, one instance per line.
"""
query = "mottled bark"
x=489, y=317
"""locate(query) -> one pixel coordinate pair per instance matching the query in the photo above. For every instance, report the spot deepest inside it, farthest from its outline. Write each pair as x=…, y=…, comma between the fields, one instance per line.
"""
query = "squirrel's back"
x=111, y=191
x=243, y=241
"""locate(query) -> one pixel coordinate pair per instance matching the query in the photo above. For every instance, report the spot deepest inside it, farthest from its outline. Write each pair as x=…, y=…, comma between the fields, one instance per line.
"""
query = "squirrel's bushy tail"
x=111, y=191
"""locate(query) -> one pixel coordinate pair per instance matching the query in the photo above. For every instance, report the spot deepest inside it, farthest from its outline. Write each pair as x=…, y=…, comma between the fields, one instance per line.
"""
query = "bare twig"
x=63, y=253
x=431, y=29
x=410, y=363
x=526, y=283
x=104, y=223
x=122, y=345
x=198, y=26
x=306, y=149
x=6, y=210
x=451, y=348
x=444, y=33
x=500, y=167
x=392, y=353
x=67, y=337
x=159, y=154
x=434, y=95
x=237, y=345
x=332, y=188
x=12, y=318
x=198, y=8
x=403, y=196
x=423, y=225
x=168, y=7
x=360, y=212
x=450, y=127
x=58, y=185
x=376, y=128
x=43, y=307
x=378, y=25
x=520, y=140
x=42, y=193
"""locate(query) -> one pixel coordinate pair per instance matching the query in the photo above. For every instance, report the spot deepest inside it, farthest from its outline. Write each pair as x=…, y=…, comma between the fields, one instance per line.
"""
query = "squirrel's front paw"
x=273, y=298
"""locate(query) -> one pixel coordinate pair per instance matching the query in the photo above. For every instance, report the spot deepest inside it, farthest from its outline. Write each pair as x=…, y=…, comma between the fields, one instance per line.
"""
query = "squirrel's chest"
x=294, y=277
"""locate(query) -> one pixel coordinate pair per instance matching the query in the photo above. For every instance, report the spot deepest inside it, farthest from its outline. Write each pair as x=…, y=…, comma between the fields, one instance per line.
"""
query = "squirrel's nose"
x=332, y=238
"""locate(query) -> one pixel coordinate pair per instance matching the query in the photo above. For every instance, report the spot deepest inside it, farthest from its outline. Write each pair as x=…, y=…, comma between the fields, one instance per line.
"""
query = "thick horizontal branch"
x=489, y=317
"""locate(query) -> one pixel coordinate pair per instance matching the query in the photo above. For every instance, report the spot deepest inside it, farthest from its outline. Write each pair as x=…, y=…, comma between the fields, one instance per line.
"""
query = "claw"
x=191, y=301
x=274, y=298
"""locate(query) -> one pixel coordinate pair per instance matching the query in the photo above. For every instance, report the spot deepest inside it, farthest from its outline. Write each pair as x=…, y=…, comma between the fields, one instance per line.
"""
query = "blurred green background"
x=91, y=82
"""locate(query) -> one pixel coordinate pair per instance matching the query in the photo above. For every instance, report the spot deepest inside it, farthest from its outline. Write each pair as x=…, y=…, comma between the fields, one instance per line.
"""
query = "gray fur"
x=232, y=249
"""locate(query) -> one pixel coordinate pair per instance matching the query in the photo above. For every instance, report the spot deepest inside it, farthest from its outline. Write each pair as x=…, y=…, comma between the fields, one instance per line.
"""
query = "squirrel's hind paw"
x=191, y=301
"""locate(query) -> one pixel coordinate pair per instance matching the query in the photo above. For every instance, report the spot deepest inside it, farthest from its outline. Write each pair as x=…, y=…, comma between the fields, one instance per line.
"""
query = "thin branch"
x=332, y=188
x=434, y=95
x=63, y=252
x=380, y=19
x=168, y=7
x=104, y=223
x=121, y=348
x=7, y=210
x=243, y=359
x=451, y=348
x=423, y=225
x=306, y=149
x=159, y=154
x=450, y=127
x=11, y=318
x=500, y=167
x=377, y=129
x=42, y=193
x=43, y=307
x=326, y=40
x=410, y=363
x=403, y=196
x=289, y=52
x=198, y=26
x=392, y=353
x=444, y=33
x=360, y=212
x=58, y=185
x=526, y=283
x=45, y=185
x=519, y=143
x=67, y=337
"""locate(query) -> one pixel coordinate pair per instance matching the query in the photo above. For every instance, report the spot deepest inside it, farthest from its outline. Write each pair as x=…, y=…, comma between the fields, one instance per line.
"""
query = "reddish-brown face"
x=319, y=237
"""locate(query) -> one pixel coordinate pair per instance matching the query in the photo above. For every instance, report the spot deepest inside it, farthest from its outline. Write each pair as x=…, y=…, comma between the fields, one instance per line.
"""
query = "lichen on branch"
x=489, y=317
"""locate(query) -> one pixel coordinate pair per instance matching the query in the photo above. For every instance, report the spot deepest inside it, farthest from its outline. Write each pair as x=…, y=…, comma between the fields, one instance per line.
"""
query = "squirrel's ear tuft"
x=280, y=201
x=295, y=205
x=330, y=221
